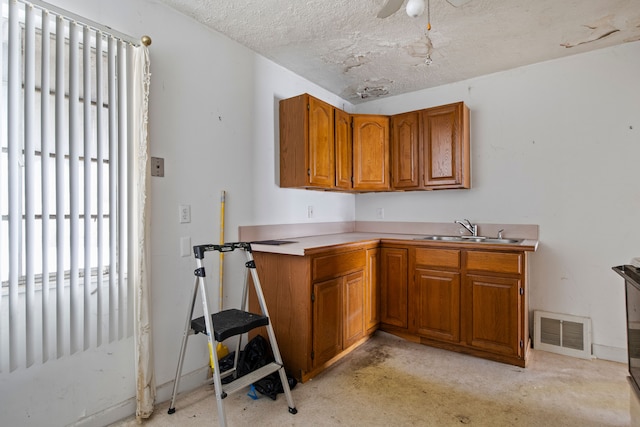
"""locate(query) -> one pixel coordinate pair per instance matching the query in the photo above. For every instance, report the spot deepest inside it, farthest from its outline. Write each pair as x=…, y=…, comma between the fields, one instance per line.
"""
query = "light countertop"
x=301, y=245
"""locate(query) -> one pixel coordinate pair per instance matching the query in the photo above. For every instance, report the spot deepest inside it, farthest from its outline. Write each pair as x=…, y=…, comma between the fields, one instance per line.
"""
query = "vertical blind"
x=63, y=187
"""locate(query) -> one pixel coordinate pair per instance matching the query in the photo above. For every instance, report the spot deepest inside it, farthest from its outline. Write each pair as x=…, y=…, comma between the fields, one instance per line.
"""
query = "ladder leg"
x=183, y=348
x=243, y=304
x=220, y=394
x=281, y=371
x=287, y=391
x=222, y=418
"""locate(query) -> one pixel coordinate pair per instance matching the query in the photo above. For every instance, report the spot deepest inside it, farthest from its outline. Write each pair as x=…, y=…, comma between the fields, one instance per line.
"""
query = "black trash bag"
x=255, y=355
x=225, y=363
x=271, y=385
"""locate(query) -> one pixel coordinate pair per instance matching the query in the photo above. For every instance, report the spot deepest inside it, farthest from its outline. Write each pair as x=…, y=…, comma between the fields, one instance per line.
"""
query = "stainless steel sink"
x=474, y=239
x=446, y=238
x=496, y=240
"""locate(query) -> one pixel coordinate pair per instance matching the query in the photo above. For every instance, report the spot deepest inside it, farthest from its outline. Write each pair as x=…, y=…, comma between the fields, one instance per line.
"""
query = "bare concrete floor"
x=389, y=381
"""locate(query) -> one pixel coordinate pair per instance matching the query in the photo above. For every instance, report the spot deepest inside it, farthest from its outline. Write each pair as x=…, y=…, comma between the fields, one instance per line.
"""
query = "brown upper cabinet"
x=405, y=151
x=370, y=152
x=325, y=148
x=344, y=150
x=445, y=146
x=307, y=147
x=430, y=148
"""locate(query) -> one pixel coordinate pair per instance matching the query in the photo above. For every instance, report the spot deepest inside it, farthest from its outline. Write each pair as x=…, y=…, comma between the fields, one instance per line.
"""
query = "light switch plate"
x=185, y=246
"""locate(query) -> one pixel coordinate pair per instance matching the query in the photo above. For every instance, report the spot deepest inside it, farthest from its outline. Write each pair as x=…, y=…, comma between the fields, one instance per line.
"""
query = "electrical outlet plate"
x=185, y=213
x=309, y=211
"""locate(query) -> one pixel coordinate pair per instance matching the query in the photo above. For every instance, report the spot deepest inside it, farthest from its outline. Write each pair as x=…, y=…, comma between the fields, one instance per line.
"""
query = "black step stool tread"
x=229, y=323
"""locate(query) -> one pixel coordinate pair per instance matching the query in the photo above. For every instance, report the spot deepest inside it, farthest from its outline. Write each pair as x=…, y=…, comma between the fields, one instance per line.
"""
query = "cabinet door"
x=327, y=320
x=445, y=147
x=353, y=304
x=372, y=290
x=370, y=152
x=436, y=304
x=494, y=314
x=321, y=144
x=294, y=134
x=405, y=144
x=393, y=281
x=344, y=150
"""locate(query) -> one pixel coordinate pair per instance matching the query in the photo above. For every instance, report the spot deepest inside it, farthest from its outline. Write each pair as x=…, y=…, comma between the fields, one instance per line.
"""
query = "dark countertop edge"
x=629, y=272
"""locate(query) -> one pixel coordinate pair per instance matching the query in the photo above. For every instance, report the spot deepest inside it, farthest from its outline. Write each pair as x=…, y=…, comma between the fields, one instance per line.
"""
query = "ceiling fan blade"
x=389, y=8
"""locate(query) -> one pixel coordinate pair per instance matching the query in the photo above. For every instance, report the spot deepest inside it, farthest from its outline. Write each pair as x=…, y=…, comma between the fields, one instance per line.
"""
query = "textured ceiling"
x=343, y=47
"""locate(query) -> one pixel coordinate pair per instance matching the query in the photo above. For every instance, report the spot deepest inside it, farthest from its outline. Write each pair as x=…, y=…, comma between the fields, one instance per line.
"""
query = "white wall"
x=555, y=144
x=213, y=119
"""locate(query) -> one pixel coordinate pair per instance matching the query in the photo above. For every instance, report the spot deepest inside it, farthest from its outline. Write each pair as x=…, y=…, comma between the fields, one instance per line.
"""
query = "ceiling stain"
x=356, y=61
x=371, y=89
x=634, y=37
x=421, y=49
x=368, y=92
x=599, y=30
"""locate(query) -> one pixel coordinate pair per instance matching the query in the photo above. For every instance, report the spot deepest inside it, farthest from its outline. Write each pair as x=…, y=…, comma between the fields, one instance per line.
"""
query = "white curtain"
x=145, y=378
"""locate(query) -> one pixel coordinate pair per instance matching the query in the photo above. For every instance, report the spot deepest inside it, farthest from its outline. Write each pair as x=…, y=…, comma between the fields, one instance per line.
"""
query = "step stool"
x=226, y=324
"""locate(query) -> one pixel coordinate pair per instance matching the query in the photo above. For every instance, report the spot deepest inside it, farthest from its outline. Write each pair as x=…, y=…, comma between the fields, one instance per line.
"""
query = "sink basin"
x=445, y=238
x=503, y=241
x=474, y=239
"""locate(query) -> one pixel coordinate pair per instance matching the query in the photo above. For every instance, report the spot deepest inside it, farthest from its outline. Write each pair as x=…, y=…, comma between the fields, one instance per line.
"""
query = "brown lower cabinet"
x=436, y=313
x=327, y=315
x=497, y=304
x=466, y=300
x=494, y=317
x=372, y=291
x=324, y=304
x=393, y=287
x=338, y=316
x=435, y=293
x=321, y=305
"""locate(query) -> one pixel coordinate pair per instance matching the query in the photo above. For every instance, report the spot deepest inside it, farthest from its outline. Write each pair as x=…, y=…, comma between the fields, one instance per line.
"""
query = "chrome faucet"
x=471, y=228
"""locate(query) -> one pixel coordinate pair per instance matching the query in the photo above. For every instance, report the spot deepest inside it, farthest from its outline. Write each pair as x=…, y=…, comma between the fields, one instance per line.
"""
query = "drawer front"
x=448, y=258
x=495, y=262
x=336, y=265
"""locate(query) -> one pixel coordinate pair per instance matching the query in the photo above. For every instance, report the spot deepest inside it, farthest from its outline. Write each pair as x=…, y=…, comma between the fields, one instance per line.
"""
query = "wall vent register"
x=563, y=334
